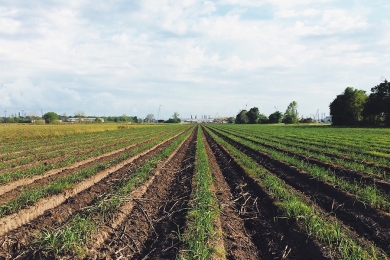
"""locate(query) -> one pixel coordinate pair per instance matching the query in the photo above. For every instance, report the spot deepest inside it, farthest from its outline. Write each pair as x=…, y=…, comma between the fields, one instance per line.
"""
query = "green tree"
x=50, y=117
x=346, y=108
x=175, y=118
x=263, y=119
x=242, y=118
x=253, y=115
x=275, y=118
x=149, y=118
x=291, y=114
x=377, y=107
x=230, y=120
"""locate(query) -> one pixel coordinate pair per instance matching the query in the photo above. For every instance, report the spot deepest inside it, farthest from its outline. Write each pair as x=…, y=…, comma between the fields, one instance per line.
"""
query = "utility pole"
x=5, y=113
x=158, y=116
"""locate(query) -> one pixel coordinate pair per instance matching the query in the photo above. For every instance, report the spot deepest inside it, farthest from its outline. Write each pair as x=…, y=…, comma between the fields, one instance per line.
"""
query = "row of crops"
x=197, y=192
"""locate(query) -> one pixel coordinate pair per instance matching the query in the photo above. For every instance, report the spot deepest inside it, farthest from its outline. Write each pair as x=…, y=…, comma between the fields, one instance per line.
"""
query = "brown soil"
x=274, y=238
x=17, y=241
x=237, y=242
x=14, y=189
x=49, y=162
x=152, y=229
x=370, y=223
x=340, y=171
x=382, y=168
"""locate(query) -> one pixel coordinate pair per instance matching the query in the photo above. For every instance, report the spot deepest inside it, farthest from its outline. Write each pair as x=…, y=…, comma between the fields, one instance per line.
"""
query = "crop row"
x=76, y=234
x=295, y=206
x=360, y=141
x=76, y=148
x=37, y=168
x=367, y=193
x=205, y=192
x=363, y=161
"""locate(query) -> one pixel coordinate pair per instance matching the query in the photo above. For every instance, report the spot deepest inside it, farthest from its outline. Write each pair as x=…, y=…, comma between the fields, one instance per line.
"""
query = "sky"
x=193, y=57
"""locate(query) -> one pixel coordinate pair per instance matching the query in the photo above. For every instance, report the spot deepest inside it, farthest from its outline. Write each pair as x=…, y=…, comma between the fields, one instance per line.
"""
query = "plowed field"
x=197, y=192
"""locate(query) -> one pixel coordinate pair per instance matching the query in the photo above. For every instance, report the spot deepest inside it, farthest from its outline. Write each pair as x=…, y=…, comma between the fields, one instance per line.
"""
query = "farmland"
x=194, y=192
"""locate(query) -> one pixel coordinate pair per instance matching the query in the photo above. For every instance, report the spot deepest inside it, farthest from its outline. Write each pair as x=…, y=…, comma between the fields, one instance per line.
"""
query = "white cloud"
x=116, y=58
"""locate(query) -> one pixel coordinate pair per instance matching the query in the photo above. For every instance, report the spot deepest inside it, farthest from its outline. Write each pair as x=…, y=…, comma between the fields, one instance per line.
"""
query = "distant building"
x=81, y=120
x=327, y=119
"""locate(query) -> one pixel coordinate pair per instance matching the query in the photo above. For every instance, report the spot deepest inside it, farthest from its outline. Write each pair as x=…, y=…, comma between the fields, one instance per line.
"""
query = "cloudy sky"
x=190, y=56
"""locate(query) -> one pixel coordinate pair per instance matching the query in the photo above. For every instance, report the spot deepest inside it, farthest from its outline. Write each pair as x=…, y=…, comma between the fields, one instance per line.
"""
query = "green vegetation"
x=347, y=108
x=71, y=149
x=31, y=196
x=368, y=194
x=291, y=114
x=204, y=210
x=50, y=117
x=175, y=118
x=353, y=107
x=293, y=205
x=74, y=235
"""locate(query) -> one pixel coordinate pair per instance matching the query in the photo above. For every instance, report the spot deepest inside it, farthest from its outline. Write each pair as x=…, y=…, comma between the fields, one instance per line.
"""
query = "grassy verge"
x=367, y=194
x=204, y=211
x=40, y=168
x=312, y=221
x=74, y=235
x=31, y=196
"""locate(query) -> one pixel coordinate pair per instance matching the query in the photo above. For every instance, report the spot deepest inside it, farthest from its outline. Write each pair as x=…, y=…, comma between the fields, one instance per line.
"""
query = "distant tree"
x=253, y=115
x=275, y=118
x=62, y=117
x=263, y=119
x=377, y=107
x=149, y=118
x=175, y=118
x=307, y=120
x=80, y=115
x=124, y=118
x=242, y=118
x=50, y=117
x=347, y=108
x=291, y=114
x=230, y=120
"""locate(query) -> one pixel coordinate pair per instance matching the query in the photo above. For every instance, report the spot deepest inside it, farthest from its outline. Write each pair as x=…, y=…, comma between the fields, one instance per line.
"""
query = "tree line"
x=253, y=116
x=355, y=107
x=54, y=118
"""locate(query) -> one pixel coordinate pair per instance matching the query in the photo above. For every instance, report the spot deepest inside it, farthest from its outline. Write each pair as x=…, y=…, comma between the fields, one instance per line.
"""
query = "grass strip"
x=204, y=211
x=310, y=220
x=41, y=168
x=74, y=235
x=357, y=162
x=31, y=196
x=367, y=194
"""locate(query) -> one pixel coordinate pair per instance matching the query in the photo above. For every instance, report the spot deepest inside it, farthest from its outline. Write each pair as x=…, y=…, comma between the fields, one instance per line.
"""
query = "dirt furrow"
x=152, y=230
x=340, y=171
x=367, y=222
x=17, y=243
x=46, y=205
x=382, y=168
x=11, y=188
x=274, y=238
x=237, y=243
